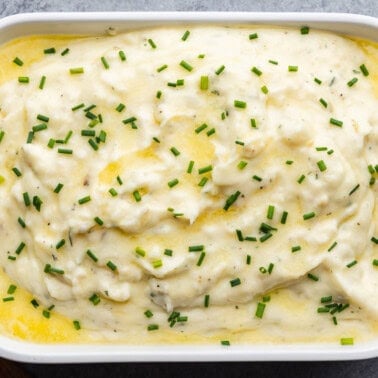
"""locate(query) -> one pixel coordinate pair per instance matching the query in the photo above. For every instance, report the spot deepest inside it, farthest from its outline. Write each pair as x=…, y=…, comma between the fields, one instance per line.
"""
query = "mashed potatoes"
x=215, y=183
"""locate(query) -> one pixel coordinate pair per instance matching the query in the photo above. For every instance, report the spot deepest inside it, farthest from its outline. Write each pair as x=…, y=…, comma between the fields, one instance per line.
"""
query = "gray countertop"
x=365, y=368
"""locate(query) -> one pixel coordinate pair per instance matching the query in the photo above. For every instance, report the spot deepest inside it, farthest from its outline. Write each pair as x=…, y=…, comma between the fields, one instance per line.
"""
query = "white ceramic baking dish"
x=99, y=24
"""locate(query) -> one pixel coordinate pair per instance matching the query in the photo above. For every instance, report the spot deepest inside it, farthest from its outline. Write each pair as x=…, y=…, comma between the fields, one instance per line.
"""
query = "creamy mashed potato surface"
x=190, y=185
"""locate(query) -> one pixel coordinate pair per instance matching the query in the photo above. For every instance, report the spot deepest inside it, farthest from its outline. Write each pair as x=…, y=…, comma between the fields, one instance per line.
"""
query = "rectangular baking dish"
x=99, y=24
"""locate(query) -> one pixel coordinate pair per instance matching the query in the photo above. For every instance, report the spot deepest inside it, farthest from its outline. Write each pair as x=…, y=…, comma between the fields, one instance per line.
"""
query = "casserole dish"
x=97, y=24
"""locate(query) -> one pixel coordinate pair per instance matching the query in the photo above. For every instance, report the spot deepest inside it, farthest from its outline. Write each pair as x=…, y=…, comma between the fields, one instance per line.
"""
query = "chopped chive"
x=152, y=327
x=292, y=68
x=284, y=217
x=253, y=36
x=264, y=89
x=137, y=196
x=8, y=299
x=26, y=198
x=93, y=144
x=248, y=260
x=201, y=56
x=270, y=212
x=239, y=142
x=16, y=171
x=168, y=252
x=76, y=325
x=99, y=221
x=305, y=30
x=371, y=169
x=289, y=162
x=200, y=128
x=170, y=84
x=20, y=248
x=312, y=277
x=317, y=81
x=296, y=248
x=374, y=240
x=375, y=262
x=270, y=268
x=352, y=263
x=206, y=301
x=354, y=189
x=30, y=137
x=148, y=314
x=220, y=70
x=65, y=51
x=60, y=244
x=102, y=136
x=77, y=107
x=2, y=133
x=301, y=179
x=201, y=258
x=330, y=152
x=49, y=269
x=65, y=151
x=265, y=237
x=162, y=68
x=84, y=200
x=347, y=341
x=23, y=79
x=34, y=303
x=321, y=148
x=257, y=178
x=326, y=299
x=92, y=255
x=242, y=164
x=352, y=82
x=18, y=61
x=140, y=252
x=11, y=289
x=76, y=70
x=231, y=200
x=173, y=183
x=253, y=123
x=190, y=167
x=240, y=104
x=196, y=248
x=42, y=82
x=322, y=166
x=334, y=244
x=206, y=169
x=203, y=181
x=21, y=222
x=364, y=70
x=239, y=235
x=152, y=43
x=39, y=127
x=225, y=342
x=321, y=310
x=43, y=118
x=37, y=203
x=308, y=215
x=158, y=94
x=210, y=132
x=335, y=122
x=273, y=62
x=88, y=133
x=111, y=265
x=186, y=65
x=113, y=192
x=13, y=258
x=235, y=282
x=250, y=238
x=120, y=107
x=122, y=55
x=175, y=151
x=50, y=50
x=105, y=63
x=129, y=120
x=204, y=83
x=185, y=35
x=323, y=102
x=95, y=299
x=260, y=310
x=256, y=71
x=266, y=298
